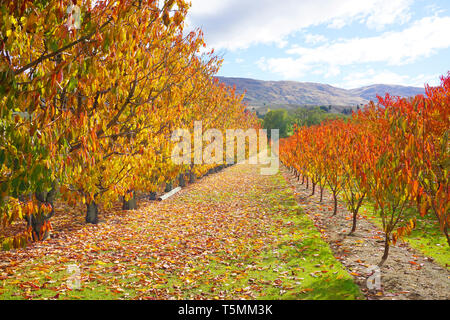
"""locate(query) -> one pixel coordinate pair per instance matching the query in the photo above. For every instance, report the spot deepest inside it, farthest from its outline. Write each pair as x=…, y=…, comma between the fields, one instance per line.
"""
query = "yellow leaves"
x=188, y=280
x=13, y=20
x=412, y=223
x=97, y=83
x=7, y=244
x=178, y=18
x=17, y=241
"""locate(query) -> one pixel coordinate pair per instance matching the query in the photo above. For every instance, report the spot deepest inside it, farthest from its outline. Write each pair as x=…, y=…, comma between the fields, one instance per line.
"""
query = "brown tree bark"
x=91, y=213
x=130, y=204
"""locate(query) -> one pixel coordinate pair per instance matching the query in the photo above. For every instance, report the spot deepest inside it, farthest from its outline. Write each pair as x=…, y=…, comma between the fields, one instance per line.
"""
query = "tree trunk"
x=181, y=180
x=313, y=188
x=307, y=183
x=91, y=213
x=386, y=251
x=446, y=234
x=192, y=177
x=303, y=179
x=335, y=203
x=37, y=221
x=355, y=215
x=130, y=204
x=321, y=193
x=169, y=187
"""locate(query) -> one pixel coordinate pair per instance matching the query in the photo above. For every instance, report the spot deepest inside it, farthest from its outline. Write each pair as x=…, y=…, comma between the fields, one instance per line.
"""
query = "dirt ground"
x=406, y=275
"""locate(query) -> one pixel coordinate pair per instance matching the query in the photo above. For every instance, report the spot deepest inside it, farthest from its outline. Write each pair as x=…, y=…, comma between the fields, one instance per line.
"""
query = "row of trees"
x=395, y=153
x=87, y=111
x=303, y=116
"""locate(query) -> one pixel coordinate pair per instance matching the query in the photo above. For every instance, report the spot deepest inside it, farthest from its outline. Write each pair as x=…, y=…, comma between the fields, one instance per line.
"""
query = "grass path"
x=232, y=235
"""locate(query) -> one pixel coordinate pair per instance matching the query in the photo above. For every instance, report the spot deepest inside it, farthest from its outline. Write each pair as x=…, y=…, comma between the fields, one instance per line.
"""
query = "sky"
x=345, y=43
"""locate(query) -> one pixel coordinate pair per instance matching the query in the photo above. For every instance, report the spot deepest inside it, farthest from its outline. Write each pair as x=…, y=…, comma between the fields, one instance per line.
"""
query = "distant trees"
x=301, y=117
x=277, y=119
x=347, y=111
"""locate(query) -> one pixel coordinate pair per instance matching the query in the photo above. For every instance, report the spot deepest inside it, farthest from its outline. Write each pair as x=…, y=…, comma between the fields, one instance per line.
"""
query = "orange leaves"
x=404, y=230
x=30, y=208
x=128, y=196
x=178, y=18
x=45, y=208
x=415, y=188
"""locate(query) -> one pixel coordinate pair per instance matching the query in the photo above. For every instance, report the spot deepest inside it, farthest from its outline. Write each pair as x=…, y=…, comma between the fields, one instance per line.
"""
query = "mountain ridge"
x=261, y=95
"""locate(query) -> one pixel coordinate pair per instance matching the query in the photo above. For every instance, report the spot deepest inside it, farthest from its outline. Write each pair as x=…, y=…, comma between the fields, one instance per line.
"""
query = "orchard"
x=93, y=204
x=87, y=111
x=394, y=153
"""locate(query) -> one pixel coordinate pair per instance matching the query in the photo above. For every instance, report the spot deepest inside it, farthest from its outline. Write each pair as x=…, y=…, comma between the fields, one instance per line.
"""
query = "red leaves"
x=392, y=152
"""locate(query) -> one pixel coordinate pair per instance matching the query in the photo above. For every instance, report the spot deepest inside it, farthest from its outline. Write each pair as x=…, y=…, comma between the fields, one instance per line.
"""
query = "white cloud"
x=377, y=14
x=371, y=76
x=237, y=24
x=332, y=71
x=422, y=39
x=314, y=38
x=397, y=13
x=285, y=67
x=337, y=23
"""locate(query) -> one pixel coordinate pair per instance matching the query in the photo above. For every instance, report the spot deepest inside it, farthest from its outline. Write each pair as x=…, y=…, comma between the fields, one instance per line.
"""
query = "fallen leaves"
x=210, y=241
